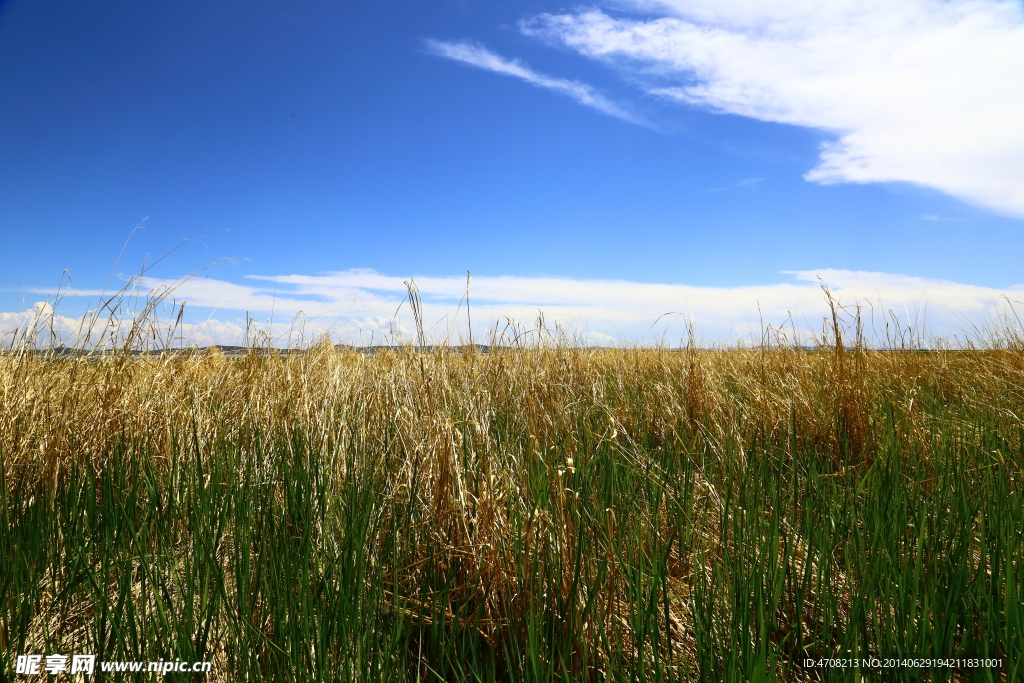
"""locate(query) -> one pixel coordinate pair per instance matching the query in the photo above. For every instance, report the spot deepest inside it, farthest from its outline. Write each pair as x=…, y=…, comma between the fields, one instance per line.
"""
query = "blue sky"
x=727, y=149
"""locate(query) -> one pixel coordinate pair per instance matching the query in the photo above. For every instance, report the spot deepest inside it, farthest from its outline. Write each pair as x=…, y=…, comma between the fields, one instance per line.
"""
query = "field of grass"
x=534, y=514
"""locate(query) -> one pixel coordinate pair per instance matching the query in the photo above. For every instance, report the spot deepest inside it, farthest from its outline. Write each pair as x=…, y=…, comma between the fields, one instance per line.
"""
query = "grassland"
x=519, y=515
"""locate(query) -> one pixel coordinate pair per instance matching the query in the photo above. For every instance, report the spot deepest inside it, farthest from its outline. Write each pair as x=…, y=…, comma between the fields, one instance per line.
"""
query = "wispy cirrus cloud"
x=747, y=183
x=482, y=58
x=922, y=91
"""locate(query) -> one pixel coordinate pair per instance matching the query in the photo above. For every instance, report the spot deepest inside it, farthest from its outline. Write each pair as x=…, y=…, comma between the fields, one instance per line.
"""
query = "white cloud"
x=748, y=184
x=363, y=306
x=922, y=91
x=481, y=57
x=44, y=326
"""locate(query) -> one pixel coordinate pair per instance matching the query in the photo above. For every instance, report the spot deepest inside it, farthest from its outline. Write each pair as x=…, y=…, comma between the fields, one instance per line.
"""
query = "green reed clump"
x=521, y=515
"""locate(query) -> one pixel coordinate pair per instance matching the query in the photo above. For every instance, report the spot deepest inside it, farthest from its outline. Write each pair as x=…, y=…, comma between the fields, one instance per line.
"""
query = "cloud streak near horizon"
x=364, y=306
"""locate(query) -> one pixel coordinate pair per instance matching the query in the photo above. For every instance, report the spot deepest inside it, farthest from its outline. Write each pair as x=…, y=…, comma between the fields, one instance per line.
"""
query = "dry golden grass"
x=605, y=503
x=58, y=408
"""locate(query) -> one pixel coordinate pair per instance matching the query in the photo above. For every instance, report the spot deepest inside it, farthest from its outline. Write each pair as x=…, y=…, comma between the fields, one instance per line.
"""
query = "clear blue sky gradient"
x=322, y=136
